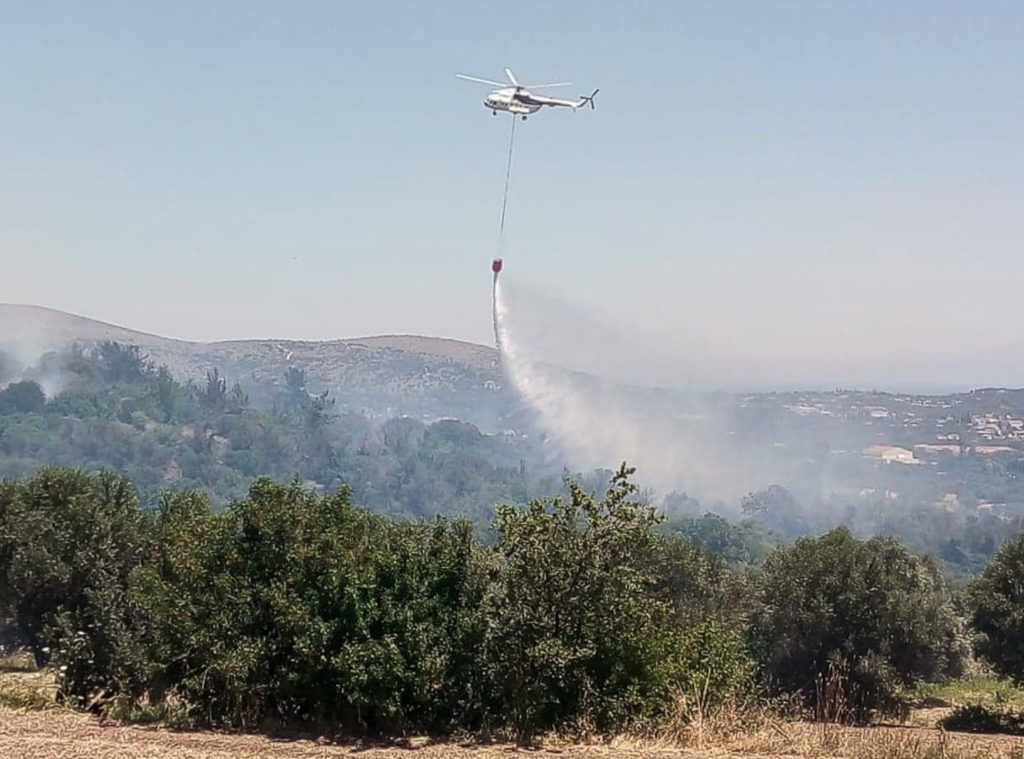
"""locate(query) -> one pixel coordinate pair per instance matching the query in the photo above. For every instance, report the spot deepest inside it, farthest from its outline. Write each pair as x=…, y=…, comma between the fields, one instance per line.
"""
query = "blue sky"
x=784, y=178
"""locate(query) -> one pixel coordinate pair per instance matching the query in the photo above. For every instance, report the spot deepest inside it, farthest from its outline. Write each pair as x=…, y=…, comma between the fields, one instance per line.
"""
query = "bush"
x=578, y=633
x=998, y=611
x=23, y=694
x=977, y=718
x=700, y=585
x=866, y=609
x=295, y=608
x=68, y=545
x=290, y=607
x=714, y=667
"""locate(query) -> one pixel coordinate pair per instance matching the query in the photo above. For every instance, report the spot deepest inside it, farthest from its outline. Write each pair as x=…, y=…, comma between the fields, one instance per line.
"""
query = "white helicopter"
x=518, y=100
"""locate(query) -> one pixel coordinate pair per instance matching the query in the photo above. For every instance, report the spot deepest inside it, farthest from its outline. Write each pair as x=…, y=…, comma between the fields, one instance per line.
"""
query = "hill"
x=382, y=376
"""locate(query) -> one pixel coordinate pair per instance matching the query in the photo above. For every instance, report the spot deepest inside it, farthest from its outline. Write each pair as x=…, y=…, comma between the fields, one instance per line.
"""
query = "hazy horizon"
x=555, y=332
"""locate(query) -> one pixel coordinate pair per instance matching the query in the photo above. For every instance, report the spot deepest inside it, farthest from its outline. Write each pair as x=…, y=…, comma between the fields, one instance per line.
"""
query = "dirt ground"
x=64, y=735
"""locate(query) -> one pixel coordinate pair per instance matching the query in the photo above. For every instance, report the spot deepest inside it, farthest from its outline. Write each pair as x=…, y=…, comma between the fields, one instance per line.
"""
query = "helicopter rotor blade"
x=482, y=81
x=512, y=77
x=539, y=86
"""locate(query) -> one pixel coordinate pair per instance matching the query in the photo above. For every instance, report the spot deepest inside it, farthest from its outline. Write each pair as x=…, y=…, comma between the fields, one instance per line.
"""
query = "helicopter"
x=517, y=99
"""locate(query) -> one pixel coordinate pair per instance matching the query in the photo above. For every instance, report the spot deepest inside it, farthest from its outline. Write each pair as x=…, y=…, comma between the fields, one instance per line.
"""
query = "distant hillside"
x=391, y=375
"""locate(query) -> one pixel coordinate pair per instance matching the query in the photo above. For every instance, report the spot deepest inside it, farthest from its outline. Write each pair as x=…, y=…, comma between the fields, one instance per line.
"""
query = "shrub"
x=291, y=607
x=998, y=611
x=577, y=631
x=868, y=609
x=977, y=718
x=68, y=545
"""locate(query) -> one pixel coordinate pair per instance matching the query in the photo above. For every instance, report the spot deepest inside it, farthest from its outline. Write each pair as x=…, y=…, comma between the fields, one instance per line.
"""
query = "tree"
x=776, y=508
x=122, y=363
x=168, y=394
x=737, y=544
x=215, y=392
x=237, y=399
x=317, y=411
x=998, y=610
x=295, y=391
x=68, y=544
x=24, y=397
x=867, y=610
x=699, y=585
x=576, y=625
x=298, y=608
x=402, y=435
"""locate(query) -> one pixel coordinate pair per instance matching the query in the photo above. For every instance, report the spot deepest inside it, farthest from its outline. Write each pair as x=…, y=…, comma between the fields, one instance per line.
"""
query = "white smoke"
x=559, y=367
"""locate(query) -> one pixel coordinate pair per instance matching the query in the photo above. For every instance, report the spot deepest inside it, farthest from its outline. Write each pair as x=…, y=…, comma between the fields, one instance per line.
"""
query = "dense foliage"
x=109, y=407
x=577, y=624
x=868, y=610
x=291, y=607
x=964, y=539
x=998, y=603
x=294, y=607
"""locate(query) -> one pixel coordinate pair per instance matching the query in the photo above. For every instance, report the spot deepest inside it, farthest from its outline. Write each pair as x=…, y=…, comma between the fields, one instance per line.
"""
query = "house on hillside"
x=890, y=454
x=956, y=450
x=989, y=450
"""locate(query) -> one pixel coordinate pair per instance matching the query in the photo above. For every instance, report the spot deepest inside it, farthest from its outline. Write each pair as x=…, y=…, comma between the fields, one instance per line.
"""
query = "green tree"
x=168, y=395
x=869, y=610
x=777, y=509
x=576, y=626
x=737, y=544
x=298, y=608
x=998, y=610
x=122, y=363
x=68, y=545
x=215, y=392
x=24, y=397
x=237, y=399
x=295, y=393
x=698, y=584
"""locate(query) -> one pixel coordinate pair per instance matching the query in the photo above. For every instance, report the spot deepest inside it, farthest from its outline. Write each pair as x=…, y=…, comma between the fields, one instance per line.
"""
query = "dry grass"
x=67, y=735
x=32, y=725
x=17, y=660
x=27, y=690
x=823, y=740
x=49, y=735
x=759, y=732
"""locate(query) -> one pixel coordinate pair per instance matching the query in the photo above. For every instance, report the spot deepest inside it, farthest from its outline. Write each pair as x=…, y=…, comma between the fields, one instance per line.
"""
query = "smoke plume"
x=582, y=378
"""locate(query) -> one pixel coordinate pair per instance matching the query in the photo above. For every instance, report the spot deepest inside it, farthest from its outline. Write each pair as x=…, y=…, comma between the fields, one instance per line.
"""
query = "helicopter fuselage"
x=511, y=100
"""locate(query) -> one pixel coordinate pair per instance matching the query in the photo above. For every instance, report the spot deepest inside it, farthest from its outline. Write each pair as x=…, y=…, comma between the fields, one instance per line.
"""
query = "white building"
x=890, y=453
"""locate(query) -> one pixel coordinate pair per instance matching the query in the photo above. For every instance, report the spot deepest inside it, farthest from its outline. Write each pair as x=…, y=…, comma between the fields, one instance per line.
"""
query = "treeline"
x=964, y=538
x=289, y=607
x=108, y=406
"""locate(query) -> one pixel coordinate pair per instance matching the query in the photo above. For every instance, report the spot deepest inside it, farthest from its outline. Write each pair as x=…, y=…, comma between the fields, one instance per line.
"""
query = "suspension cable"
x=508, y=176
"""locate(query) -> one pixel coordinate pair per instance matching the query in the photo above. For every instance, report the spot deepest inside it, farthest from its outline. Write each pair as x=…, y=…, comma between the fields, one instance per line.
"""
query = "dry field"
x=53, y=734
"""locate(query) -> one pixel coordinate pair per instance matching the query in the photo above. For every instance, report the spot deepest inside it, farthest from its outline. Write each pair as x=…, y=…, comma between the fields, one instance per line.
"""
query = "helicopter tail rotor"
x=585, y=99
